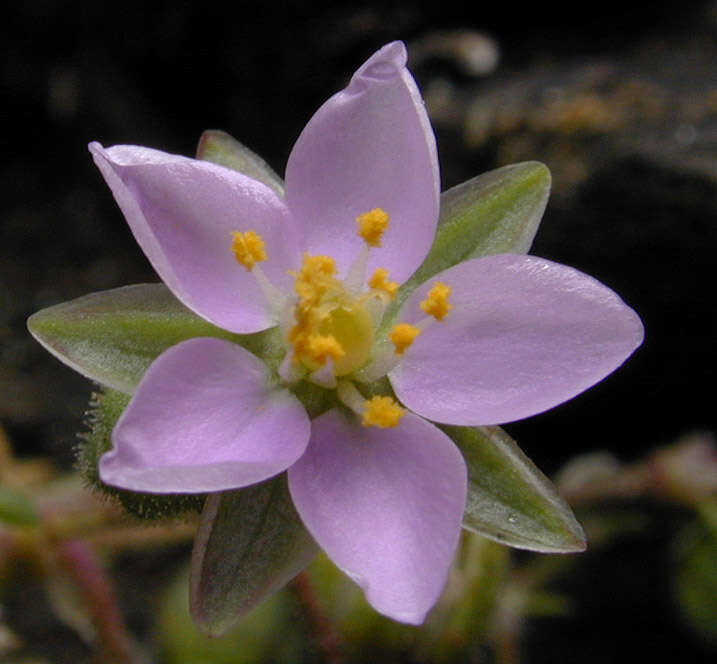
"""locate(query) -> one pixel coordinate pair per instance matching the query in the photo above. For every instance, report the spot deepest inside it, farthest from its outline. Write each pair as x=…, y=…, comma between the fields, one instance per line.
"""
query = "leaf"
x=17, y=509
x=221, y=148
x=249, y=544
x=494, y=213
x=113, y=336
x=509, y=499
x=695, y=580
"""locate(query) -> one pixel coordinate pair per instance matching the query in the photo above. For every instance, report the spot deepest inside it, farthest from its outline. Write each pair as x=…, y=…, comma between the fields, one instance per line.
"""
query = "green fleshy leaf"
x=249, y=544
x=113, y=336
x=16, y=509
x=104, y=411
x=221, y=148
x=509, y=499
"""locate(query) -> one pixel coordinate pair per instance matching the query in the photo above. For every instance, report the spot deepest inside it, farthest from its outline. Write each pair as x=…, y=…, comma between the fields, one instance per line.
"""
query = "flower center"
x=331, y=323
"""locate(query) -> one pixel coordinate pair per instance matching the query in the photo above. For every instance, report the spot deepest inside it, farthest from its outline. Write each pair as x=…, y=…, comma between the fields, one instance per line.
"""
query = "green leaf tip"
x=509, y=499
x=104, y=410
x=220, y=148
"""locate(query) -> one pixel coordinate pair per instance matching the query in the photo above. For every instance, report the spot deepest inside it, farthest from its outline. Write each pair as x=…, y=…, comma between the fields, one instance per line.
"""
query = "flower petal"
x=182, y=213
x=524, y=335
x=386, y=506
x=205, y=418
x=369, y=146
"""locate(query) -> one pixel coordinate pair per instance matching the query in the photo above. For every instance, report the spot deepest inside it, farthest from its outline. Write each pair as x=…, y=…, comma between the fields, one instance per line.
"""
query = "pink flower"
x=487, y=341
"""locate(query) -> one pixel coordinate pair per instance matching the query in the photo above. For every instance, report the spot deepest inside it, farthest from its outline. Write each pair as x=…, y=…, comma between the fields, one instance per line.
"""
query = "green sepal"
x=250, y=543
x=16, y=509
x=220, y=148
x=105, y=409
x=497, y=212
x=509, y=500
x=113, y=336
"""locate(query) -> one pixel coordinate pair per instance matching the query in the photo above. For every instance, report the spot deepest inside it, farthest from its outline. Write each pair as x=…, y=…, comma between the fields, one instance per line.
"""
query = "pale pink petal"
x=524, y=335
x=369, y=146
x=386, y=505
x=205, y=417
x=182, y=213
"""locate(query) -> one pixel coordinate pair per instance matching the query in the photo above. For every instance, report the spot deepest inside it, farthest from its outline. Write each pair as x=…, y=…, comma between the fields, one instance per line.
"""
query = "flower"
x=379, y=487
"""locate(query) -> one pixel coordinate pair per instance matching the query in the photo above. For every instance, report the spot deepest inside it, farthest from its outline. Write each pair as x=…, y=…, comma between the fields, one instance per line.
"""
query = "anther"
x=379, y=281
x=372, y=225
x=403, y=335
x=436, y=303
x=248, y=248
x=382, y=412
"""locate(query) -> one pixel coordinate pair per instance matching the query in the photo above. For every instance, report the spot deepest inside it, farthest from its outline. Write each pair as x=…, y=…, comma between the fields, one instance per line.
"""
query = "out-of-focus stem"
x=81, y=563
x=324, y=633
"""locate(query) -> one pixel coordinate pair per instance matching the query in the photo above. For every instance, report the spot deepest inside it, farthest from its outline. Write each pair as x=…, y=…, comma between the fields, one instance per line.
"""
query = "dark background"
x=633, y=204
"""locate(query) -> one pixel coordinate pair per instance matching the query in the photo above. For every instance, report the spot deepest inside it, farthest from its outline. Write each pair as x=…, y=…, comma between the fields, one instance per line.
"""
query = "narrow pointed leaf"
x=494, y=213
x=221, y=148
x=249, y=544
x=113, y=336
x=509, y=499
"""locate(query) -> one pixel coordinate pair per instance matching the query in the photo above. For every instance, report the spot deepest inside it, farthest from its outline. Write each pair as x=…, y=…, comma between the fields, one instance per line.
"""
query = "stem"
x=85, y=570
x=325, y=636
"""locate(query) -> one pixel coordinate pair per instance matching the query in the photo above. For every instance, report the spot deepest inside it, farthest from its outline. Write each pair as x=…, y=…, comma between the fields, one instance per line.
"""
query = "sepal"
x=250, y=543
x=220, y=148
x=113, y=336
x=105, y=409
x=509, y=499
x=494, y=213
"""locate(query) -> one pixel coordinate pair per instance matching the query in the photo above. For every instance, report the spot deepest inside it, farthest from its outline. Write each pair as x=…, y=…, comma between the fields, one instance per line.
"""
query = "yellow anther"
x=379, y=281
x=322, y=347
x=382, y=412
x=313, y=279
x=436, y=303
x=403, y=335
x=248, y=248
x=372, y=225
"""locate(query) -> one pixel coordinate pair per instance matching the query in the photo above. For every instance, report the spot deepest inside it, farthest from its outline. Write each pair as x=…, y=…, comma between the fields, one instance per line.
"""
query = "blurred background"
x=619, y=100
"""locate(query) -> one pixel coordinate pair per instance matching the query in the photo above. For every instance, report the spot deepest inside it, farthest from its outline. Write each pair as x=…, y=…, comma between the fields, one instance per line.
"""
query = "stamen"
x=349, y=396
x=403, y=335
x=372, y=225
x=379, y=281
x=436, y=303
x=382, y=412
x=248, y=248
